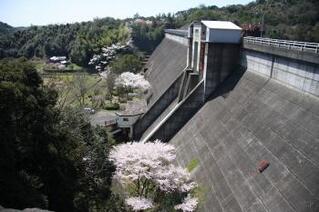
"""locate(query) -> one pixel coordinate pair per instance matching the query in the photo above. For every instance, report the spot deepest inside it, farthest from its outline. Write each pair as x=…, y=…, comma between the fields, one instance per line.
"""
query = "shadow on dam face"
x=230, y=82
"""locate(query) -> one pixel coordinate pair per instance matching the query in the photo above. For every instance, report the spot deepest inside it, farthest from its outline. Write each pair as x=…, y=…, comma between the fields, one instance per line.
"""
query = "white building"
x=126, y=119
x=57, y=58
x=221, y=32
x=201, y=33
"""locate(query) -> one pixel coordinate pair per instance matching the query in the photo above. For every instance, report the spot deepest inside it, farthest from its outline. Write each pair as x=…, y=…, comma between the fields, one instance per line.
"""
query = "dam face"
x=164, y=70
x=267, y=110
x=251, y=120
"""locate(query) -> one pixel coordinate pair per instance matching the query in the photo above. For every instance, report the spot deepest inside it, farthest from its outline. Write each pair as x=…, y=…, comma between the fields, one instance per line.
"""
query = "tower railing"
x=287, y=44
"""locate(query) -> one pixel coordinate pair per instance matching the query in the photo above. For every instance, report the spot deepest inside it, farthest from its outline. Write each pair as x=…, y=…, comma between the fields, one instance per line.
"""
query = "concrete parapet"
x=295, y=73
x=288, y=53
x=179, y=39
x=177, y=32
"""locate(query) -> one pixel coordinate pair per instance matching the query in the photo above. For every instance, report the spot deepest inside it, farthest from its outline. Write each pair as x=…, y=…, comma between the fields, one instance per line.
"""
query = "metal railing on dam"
x=287, y=44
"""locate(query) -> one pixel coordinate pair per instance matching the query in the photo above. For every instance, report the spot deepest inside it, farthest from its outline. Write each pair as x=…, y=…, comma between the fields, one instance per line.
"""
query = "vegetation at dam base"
x=126, y=63
x=192, y=165
x=54, y=159
x=151, y=180
x=79, y=88
x=50, y=158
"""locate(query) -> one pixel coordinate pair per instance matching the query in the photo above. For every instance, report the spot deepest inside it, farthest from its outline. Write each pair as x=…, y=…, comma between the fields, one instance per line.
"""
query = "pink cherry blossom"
x=189, y=204
x=129, y=79
x=139, y=203
x=148, y=166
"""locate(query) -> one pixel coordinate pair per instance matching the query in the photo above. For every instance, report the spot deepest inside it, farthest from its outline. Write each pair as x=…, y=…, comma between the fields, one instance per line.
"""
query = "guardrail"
x=287, y=44
x=178, y=32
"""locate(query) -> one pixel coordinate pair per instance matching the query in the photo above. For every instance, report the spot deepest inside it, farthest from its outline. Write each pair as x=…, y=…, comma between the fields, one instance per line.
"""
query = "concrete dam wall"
x=244, y=123
x=267, y=111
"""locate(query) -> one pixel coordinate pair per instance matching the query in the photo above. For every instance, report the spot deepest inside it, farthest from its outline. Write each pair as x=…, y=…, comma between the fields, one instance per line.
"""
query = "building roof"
x=221, y=25
x=101, y=118
x=133, y=108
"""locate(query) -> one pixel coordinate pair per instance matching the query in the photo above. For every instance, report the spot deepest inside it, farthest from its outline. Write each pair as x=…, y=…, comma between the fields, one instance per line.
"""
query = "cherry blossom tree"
x=139, y=203
x=107, y=54
x=189, y=204
x=131, y=80
x=147, y=172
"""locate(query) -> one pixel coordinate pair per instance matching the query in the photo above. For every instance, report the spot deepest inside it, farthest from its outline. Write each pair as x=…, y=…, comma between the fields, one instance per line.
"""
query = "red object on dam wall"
x=263, y=165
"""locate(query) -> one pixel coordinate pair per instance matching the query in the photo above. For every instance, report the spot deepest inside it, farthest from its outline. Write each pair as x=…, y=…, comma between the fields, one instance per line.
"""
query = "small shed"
x=220, y=32
x=127, y=118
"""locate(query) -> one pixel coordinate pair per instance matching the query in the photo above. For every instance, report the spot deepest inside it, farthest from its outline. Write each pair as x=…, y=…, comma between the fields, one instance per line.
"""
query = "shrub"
x=111, y=106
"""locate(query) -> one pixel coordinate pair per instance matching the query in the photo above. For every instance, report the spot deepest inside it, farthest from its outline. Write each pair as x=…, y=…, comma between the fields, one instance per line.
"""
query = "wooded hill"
x=78, y=41
x=284, y=19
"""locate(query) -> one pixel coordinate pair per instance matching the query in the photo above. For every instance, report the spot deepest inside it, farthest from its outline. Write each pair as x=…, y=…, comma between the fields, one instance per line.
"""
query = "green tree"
x=81, y=52
x=126, y=63
x=146, y=37
x=110, y=84
x=81, y=87
x=50, y=159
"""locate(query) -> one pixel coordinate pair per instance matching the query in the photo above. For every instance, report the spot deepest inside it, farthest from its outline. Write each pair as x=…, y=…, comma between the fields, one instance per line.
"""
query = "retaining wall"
x=180, y=39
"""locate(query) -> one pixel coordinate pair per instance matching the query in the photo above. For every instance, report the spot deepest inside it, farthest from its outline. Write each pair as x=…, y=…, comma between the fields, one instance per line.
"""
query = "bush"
x=111, y=106
x=50, y=158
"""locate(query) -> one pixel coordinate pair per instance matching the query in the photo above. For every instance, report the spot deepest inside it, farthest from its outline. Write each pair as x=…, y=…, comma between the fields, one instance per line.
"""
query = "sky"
x=43, y=12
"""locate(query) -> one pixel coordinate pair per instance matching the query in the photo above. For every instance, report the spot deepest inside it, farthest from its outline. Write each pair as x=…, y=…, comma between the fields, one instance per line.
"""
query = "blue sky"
x=41, y=12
